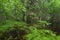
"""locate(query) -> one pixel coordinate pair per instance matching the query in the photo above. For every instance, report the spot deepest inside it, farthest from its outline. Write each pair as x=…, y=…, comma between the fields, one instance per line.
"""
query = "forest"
x=29, y=19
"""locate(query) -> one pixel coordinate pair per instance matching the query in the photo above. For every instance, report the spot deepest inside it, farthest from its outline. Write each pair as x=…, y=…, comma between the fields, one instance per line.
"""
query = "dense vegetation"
x=29, y=19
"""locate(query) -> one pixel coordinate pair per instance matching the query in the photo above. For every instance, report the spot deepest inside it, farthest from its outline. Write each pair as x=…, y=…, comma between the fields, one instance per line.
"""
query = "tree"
x=2, y=13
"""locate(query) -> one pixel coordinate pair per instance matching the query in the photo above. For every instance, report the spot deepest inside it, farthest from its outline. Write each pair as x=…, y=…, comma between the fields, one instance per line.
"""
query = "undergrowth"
x=14, y=30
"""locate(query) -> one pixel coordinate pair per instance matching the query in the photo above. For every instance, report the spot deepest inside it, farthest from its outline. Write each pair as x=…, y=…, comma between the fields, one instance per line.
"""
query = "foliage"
x=28, y=33
x=44, y=24
x=29, y=19
x=36, y=34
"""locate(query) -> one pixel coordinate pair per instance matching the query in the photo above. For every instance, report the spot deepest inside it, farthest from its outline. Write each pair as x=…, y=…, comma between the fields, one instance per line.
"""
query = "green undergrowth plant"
x=13, y=30
x=42, y=24
x=10, y=23
x=17, y=30
x=35, y=34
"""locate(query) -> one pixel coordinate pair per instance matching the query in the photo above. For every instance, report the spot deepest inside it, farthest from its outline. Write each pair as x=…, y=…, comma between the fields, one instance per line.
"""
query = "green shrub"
x=36, y=34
